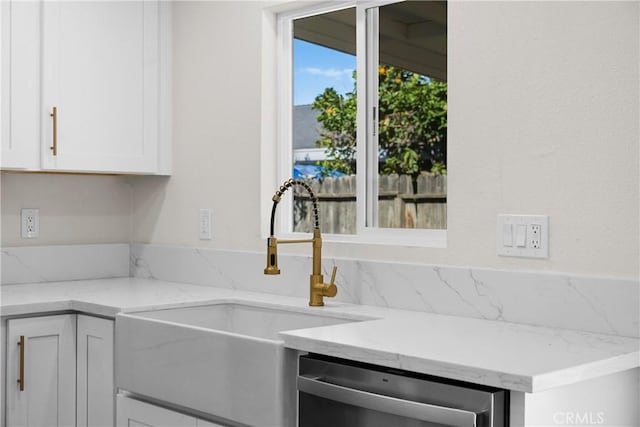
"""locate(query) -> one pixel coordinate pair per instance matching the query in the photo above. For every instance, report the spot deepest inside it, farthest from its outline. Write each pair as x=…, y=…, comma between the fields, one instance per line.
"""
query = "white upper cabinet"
x=20, y=85
x=104, y=68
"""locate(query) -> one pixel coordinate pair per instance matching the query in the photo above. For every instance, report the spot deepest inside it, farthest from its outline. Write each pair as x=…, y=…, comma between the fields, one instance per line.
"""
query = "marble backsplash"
x=610, y=306
x=604, y=305
x=33, y=264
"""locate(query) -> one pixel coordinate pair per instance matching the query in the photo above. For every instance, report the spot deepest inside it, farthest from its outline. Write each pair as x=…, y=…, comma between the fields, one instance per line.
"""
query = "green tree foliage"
x=412, y=124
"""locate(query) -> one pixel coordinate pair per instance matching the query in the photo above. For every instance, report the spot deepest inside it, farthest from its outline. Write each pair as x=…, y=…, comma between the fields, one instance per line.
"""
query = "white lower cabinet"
x=134, y=413
x=95, y=372
x=59, y=370
x=608, y=400
x=41, y=371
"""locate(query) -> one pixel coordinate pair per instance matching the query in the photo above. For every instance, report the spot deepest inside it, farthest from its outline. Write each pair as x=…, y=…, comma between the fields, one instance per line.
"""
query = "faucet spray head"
x=272, y=256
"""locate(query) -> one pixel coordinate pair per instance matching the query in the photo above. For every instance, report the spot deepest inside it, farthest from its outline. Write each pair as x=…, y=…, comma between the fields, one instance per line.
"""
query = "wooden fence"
x=399, y=205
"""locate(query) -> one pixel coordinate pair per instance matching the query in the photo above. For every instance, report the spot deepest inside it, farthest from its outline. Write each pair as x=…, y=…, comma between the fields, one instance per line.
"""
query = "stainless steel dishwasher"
x=339, y=393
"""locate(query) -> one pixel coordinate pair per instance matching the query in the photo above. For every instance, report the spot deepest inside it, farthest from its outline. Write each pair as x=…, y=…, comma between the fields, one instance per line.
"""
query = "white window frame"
x=367, y=168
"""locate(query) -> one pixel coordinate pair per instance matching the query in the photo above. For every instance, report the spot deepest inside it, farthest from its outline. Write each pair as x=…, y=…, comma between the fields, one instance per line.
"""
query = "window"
x=362, y=116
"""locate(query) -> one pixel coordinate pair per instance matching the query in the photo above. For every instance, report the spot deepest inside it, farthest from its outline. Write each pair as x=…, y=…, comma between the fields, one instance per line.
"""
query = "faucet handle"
x=331, y=289
x=333, y=275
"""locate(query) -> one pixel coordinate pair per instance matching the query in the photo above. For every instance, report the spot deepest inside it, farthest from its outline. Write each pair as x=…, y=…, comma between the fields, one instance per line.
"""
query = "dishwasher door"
x=338, y=393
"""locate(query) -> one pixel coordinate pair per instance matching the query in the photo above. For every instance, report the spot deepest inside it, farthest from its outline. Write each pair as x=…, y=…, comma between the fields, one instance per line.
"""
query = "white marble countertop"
x=501, y=354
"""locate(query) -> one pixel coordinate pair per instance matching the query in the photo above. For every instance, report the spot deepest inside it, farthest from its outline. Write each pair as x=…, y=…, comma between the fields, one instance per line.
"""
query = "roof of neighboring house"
x=306, y=129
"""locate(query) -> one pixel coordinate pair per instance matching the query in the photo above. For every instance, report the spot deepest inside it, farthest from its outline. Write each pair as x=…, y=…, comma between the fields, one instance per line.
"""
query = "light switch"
x=521, y=235
x=524, y=236
x=507, y=235
x=204, y=224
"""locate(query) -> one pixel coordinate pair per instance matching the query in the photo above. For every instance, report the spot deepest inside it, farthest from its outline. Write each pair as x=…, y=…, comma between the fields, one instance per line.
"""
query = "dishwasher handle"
x=391, y=405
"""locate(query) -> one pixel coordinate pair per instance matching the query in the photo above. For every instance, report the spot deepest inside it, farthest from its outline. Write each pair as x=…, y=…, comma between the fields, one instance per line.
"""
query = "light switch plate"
x=529, y=236
x=204, y=224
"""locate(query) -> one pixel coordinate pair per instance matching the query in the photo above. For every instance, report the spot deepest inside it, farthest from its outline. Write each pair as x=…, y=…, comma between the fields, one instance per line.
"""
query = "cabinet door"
x=20, y=84
x=133, y=413
x=100, y=69
x=49, y=366
x=95, y=373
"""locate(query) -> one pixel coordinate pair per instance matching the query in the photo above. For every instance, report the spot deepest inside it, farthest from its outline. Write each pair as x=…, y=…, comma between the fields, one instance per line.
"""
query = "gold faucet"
x=317, y=288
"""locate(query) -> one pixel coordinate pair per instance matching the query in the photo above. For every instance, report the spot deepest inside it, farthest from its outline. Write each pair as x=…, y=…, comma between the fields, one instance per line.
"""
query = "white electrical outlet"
x=535, y=233
x=204, y=224
x=524, y=236
x=29, y=223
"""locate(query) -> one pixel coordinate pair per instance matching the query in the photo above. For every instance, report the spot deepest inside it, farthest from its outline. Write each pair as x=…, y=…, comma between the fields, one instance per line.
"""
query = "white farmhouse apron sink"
x=223, y=359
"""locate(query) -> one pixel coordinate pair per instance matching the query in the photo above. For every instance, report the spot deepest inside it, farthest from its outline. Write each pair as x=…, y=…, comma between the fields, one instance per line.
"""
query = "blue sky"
x=316, y=68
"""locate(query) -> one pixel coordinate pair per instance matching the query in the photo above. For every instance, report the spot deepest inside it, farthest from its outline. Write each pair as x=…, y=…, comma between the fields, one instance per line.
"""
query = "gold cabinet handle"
x=54, y=115
x=21, y=371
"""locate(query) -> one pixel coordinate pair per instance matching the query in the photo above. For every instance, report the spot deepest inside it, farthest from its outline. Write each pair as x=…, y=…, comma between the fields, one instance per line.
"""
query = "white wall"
x=216, y=153
x=544, y=117
x=73, y=209
x=544, y=113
